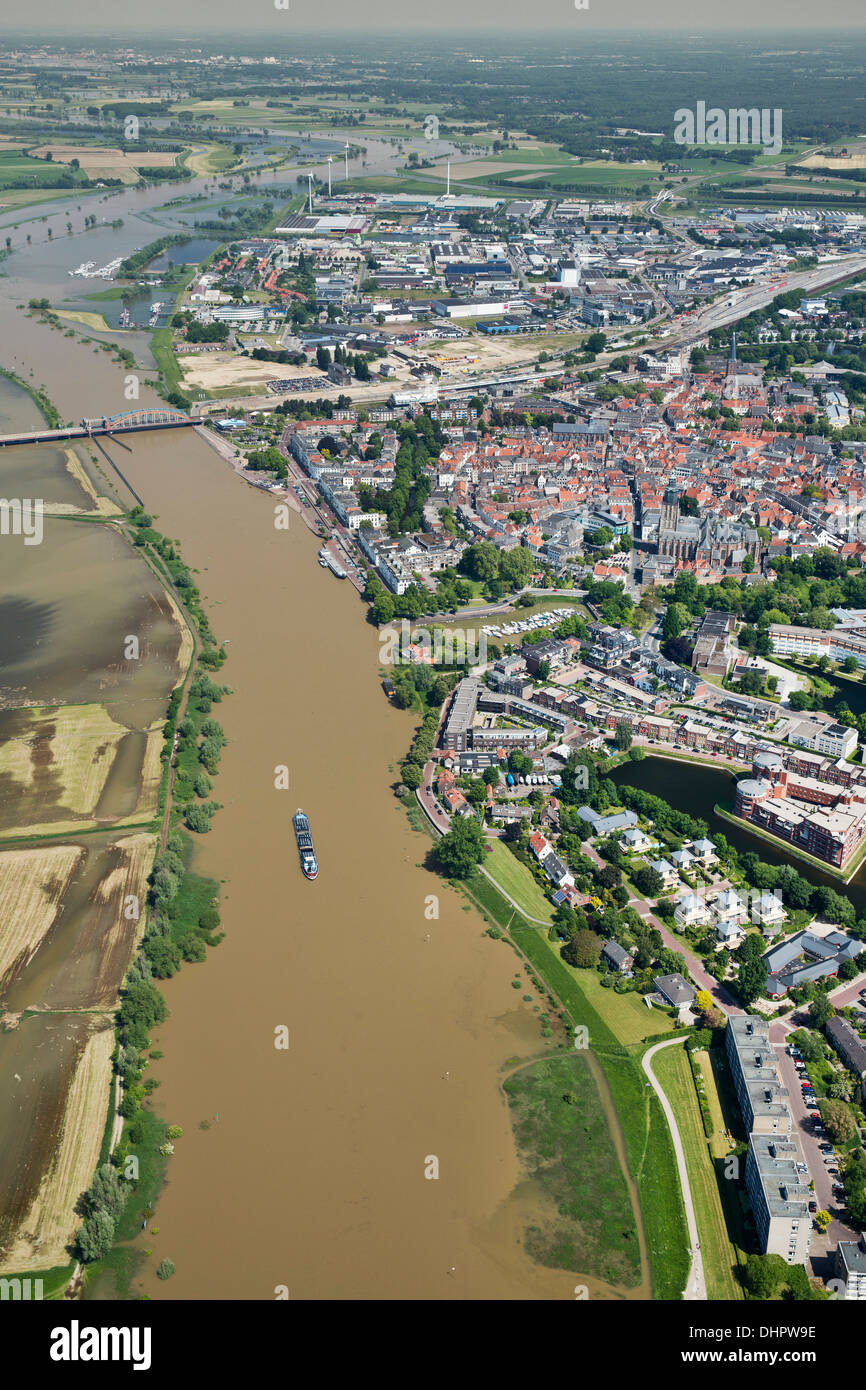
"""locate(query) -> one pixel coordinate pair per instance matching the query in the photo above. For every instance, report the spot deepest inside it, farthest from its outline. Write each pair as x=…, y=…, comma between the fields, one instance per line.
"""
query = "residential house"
x=850, y=1047
x=617, y=957
x=667, y=872
x=682, y=860
x=634, y=839
x=704, y=852
x=675, y=991
x=691, y=911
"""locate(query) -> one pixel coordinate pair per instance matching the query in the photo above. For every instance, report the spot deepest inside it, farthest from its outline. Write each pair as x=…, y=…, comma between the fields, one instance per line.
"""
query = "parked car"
x=813, y=1206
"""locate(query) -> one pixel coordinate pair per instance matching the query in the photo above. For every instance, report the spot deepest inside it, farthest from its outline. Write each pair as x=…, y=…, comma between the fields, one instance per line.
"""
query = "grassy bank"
x=585, y=1221
x=647, y=1138
x=672, y=1070
x=652, y=1163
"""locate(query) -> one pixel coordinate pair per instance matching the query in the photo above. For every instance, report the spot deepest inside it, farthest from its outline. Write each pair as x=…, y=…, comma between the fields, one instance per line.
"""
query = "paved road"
x=822, y=1246
x=695, y=967
x=848, y=993
x=696, y=1286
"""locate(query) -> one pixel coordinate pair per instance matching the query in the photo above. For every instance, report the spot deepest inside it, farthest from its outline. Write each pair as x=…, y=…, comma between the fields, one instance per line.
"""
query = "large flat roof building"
x=780, y=1197
x=777, y=1179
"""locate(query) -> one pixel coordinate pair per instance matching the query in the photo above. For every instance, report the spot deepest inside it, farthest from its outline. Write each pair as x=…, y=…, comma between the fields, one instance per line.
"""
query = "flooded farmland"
x=54, y=1097
x=80, y=741
x=67, y=608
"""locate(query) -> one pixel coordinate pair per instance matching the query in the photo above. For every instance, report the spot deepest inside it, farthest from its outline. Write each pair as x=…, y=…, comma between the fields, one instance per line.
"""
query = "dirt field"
x=103, y=162
x=83, y=955
x=67, y=751
x=56, y=767
x=52, y=1119
x=212, y=370
x=104, y=505
x=32, y=885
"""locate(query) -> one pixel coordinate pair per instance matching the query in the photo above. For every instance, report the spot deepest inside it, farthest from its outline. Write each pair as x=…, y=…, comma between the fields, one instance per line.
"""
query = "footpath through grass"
x=517, y=881
x=672, y=1070
x=652, y=1163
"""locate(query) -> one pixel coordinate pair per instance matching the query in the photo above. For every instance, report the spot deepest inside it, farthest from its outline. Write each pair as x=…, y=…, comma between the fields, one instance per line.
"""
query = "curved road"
x=696, y=1287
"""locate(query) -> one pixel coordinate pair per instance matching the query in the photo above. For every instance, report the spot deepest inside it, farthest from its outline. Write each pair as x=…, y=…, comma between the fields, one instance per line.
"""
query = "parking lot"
x=810, y=1142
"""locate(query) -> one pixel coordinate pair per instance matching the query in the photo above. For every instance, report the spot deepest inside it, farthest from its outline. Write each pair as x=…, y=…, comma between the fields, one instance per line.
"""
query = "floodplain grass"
x=649, y=1149
x=53, y=1281
x=671, y=1068
x=585, y=1222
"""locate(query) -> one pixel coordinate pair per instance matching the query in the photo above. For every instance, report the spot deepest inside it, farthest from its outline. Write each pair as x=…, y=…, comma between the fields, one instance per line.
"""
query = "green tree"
x=107, y=1192
x=458, y=852
x=763, y=1275
x=821, y=1010
x=838, y=1119
x=164, y=957
x=622, y=735
x=583, y=949
x=96, y=1236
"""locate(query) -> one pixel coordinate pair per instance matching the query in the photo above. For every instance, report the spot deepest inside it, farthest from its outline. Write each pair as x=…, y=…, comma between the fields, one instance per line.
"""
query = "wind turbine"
x=330, y=162
x=310, y=189
x=347, y=161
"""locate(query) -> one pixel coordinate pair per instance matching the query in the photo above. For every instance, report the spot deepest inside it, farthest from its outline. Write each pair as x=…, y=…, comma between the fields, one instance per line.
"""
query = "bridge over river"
x=127, y=423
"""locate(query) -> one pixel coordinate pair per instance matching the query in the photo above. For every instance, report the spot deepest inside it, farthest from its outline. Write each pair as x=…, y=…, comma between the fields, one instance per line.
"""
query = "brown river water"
x=311, y=1173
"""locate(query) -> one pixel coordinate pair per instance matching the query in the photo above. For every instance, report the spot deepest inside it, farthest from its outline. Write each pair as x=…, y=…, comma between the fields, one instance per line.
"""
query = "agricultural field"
x=64, y=623
x=32, y=885
x=105, y=162
x=42, y=173
x=81, y=958
x=52, y=1117
x=72, y=767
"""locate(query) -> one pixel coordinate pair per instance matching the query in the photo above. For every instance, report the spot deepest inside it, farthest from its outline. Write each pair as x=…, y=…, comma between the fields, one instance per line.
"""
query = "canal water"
x=696, y=788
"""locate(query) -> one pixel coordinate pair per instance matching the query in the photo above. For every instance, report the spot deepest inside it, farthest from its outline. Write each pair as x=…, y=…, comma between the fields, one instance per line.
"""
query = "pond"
x=696, y=788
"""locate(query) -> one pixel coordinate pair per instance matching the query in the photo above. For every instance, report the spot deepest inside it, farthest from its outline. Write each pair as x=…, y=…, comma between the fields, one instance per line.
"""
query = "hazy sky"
x=58, y=17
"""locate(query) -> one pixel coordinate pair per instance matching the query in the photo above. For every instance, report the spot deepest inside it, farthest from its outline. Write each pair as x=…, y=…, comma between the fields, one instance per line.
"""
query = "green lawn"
x=671, y=1068
x=517, y=881
x=585, y=1221
x=626, y=1014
